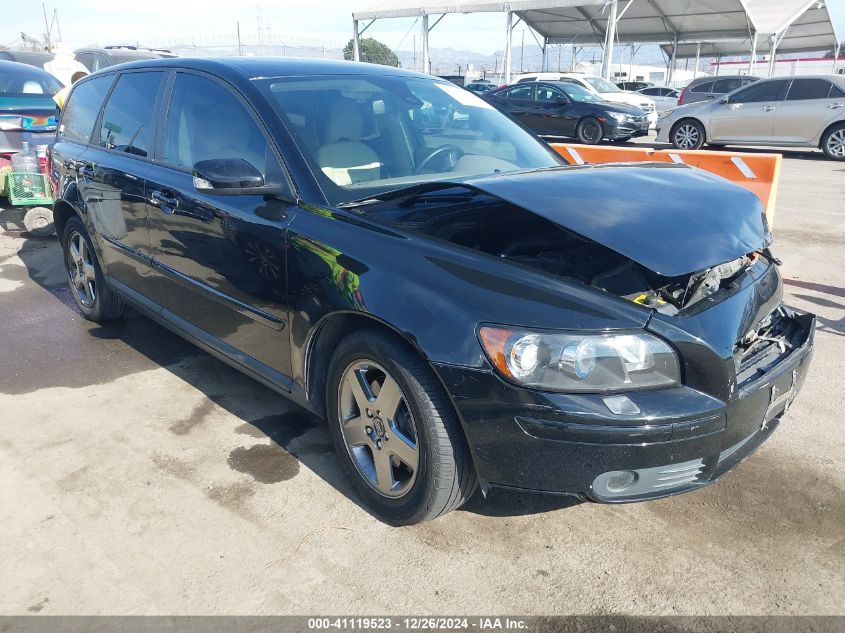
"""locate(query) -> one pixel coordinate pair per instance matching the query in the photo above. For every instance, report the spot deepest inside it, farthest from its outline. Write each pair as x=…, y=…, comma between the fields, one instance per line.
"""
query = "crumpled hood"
x=672, y=219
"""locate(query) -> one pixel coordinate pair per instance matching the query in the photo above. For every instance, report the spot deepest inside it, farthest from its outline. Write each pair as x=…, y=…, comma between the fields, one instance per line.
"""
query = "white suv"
x=597, y=85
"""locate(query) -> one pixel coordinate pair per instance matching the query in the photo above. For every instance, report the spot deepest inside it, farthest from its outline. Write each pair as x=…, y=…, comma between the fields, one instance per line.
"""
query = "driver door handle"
x=767, y=108
x=834, y=106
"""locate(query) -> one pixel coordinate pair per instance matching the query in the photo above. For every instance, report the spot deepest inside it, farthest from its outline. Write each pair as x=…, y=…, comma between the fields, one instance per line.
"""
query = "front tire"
x=833, y=142
x=589, y=131
x=687, y=134
x=395, y=430
x=95, y=300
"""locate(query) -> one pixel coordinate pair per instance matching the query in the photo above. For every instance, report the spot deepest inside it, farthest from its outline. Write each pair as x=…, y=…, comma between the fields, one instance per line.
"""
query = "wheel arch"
x=829, y=128
x=686, y=119
x=62, y=212
x=325, y=336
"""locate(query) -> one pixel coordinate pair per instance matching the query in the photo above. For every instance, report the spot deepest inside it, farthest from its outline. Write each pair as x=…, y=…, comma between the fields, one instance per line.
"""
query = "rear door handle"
x=833, y=106
x=164, y=201
x=767, y=108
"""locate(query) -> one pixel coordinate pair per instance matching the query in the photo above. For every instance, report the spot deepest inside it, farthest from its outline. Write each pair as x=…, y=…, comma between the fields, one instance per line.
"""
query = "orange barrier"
x=758, y=173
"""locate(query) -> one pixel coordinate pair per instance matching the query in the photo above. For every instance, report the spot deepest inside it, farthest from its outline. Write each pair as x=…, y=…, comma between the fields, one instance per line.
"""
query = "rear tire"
x=687, y=134
x=833, y=142
x=589, y=131
x=95, y=300
x=405, y=453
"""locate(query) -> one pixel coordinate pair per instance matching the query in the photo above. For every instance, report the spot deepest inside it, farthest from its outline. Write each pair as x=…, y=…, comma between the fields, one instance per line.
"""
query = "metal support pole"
x=545, y=65
x=508, y=47
x=672, y=61
x=356, y=43
x=773, y=47
x=426, y=62
x=609, y=38
x=697, y=59
x=753, y=60
x=718, y=63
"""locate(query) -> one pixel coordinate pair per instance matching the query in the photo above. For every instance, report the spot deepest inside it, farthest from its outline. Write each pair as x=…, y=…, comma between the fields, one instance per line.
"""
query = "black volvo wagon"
x=391, y=252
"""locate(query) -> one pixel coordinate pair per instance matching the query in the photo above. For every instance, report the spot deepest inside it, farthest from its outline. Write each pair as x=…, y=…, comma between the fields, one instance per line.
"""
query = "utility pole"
x=240, y=50
x=47, y=43
x=559, y=49
x=522, y=52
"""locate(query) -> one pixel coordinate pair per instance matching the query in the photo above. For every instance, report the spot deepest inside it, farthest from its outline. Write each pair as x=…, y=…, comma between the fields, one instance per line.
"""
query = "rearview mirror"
x=228, y=176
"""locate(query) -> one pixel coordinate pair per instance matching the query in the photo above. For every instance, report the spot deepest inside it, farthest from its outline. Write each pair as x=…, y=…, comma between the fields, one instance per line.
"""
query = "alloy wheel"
x=378, y=428
x=836, y=143
x=591, y=132
x=81, y=270
x=687, y=136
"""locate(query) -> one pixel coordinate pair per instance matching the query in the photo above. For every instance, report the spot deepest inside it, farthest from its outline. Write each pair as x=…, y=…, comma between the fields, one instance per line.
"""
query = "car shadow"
x=135, y=343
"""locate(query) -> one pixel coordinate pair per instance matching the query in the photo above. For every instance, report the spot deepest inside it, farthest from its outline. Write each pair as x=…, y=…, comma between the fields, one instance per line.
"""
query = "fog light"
x=621, y=479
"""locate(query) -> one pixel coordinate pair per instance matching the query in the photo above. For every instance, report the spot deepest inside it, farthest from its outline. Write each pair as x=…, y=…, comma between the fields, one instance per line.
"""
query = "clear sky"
x=326, y=22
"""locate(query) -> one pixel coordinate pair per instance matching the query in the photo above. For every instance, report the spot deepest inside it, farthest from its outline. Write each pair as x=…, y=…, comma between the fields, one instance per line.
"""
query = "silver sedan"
x=781, y=111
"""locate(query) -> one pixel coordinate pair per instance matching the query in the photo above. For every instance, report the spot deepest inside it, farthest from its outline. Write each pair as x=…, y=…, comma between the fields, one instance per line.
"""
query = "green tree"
x=374, y=52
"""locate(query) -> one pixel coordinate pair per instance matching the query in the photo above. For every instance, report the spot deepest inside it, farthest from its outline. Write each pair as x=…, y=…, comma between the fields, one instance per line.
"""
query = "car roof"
x=266, y=67
x=19, y=67
x=30, y=58
x=699, y=80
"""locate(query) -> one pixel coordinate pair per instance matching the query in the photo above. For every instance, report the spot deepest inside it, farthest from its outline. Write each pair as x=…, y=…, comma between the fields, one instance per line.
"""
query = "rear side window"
x=702, y=87
x=82, y=108
x=761, y=91
x=724, y=86
x=129, y=113
x=802, y=89
x=521, y=92
x=206, y=121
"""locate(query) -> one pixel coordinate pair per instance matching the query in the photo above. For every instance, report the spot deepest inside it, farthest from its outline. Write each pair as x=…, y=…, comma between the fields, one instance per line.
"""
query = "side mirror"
x=563, y=101
x=228, y=176
x=724, y=100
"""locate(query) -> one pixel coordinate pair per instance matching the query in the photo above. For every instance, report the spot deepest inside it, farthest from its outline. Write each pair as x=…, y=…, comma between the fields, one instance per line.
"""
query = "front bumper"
x=628, y=129
x=681, y=440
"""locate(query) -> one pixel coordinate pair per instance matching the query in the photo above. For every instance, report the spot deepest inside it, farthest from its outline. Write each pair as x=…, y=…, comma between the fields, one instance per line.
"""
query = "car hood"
x=672, y=219
x=624, y=108
x=629, y=98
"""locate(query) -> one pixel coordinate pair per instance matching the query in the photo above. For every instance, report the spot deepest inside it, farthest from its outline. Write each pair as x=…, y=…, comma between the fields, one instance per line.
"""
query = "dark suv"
x=392, y=252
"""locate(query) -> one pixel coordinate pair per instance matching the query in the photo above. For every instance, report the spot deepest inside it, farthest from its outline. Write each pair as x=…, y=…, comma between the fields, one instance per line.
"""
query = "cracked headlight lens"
x=573, y=362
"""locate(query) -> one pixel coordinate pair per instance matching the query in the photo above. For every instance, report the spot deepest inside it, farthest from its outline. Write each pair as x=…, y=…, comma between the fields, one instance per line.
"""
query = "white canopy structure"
x=782, y=26
x=690, y=27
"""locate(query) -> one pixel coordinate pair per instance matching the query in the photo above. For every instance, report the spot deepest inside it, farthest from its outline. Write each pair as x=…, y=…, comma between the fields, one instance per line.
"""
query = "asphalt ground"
x=139, y=475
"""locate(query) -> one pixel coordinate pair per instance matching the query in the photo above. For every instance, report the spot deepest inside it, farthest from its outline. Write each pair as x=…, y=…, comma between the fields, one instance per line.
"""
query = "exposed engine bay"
x=488, y=224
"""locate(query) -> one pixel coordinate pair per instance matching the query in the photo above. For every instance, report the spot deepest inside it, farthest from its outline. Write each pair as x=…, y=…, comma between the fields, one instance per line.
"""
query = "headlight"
x=619, y=116
x=581, y=362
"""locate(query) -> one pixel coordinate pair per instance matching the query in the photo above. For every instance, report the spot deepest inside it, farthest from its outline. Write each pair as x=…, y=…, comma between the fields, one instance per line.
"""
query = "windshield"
x=366, y=135
x=601, y=85
x=579, y=93
x=27, y=82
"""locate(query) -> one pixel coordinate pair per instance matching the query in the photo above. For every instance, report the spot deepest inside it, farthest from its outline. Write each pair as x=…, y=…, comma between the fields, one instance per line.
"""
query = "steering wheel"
x=453, y=151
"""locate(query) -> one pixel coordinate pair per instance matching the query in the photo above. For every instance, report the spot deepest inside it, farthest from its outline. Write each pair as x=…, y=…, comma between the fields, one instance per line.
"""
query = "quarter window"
x=83, y=106
x=802, y=89
x=761, y=91
x=205, y=121
x=129, y=112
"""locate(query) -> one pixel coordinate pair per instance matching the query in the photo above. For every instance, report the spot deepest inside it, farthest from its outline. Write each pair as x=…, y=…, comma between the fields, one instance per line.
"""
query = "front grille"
x=647, y=107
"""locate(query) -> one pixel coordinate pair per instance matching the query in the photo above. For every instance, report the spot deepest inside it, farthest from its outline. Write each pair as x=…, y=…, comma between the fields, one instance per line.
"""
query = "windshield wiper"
x=400, y=195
